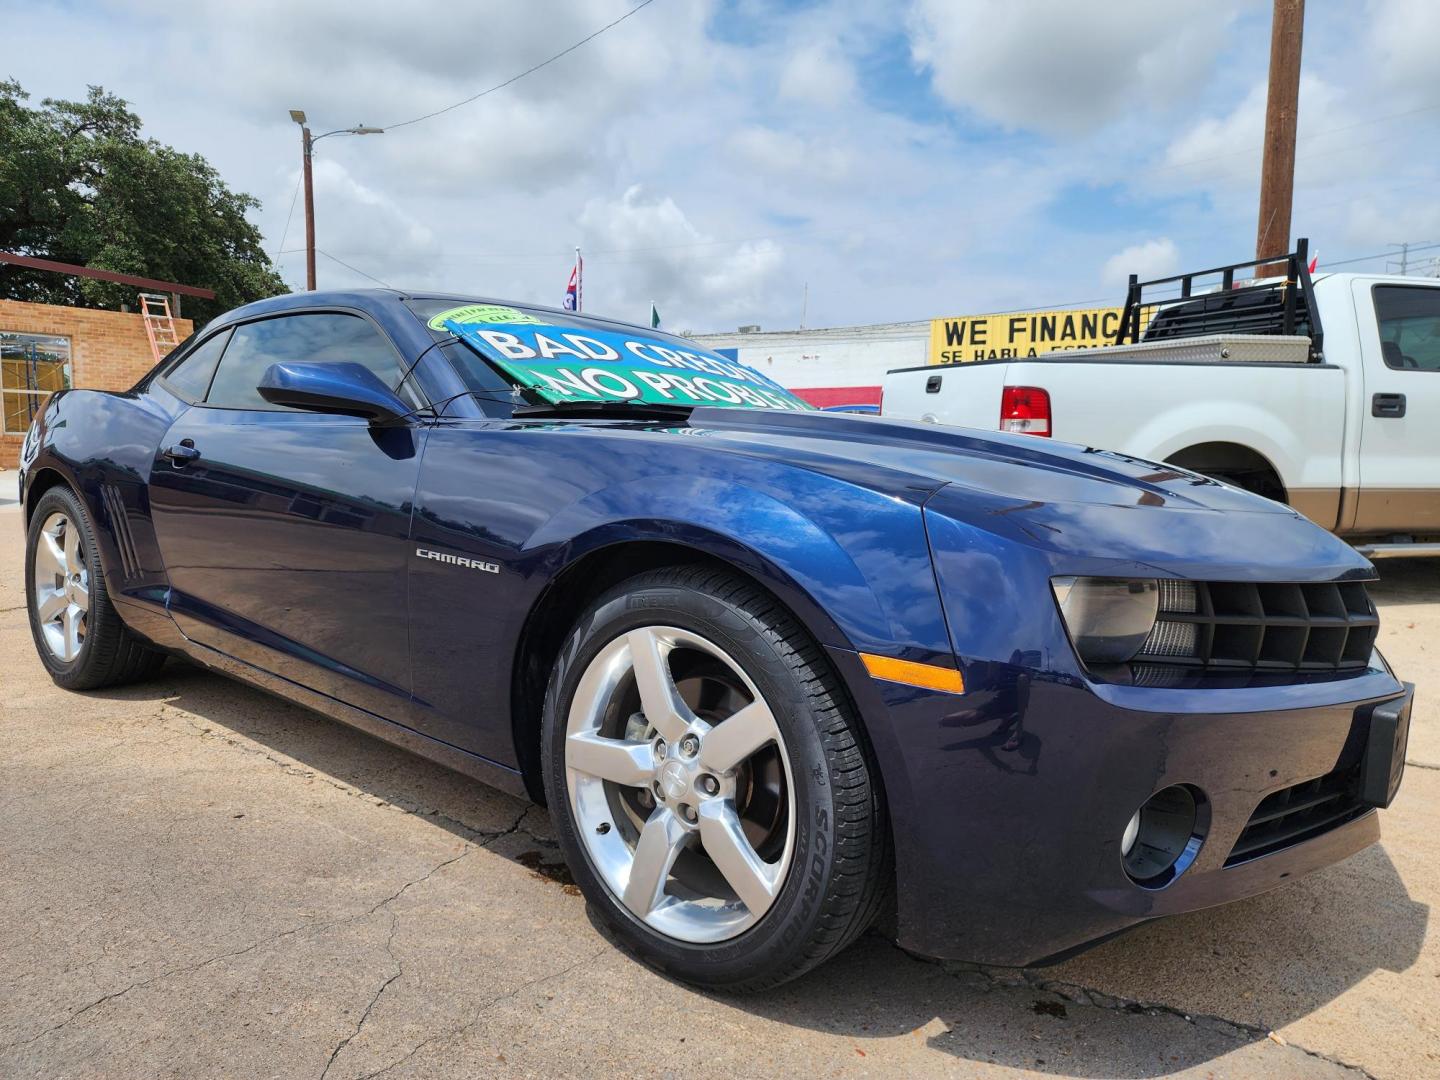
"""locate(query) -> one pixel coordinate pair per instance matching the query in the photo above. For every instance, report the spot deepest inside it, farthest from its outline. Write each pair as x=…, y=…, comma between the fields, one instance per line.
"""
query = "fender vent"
x=120, y=526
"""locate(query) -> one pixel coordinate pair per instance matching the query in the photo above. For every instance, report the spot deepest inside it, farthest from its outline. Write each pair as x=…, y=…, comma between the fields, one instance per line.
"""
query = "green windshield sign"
x=581, y=363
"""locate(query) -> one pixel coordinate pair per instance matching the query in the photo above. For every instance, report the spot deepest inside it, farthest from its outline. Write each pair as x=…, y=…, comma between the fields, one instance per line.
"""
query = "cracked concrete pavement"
x=200, y=880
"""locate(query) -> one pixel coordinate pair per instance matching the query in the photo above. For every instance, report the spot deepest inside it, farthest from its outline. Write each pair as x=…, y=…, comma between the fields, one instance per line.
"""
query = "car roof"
x=368, y=299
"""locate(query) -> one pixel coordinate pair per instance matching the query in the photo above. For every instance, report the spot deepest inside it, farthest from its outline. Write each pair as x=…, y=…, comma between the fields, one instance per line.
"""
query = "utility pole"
x=307, y=144
x=1404, y=256
x=1277, y=171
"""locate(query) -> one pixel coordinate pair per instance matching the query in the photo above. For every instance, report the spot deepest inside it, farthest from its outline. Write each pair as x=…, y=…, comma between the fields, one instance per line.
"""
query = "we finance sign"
x=1019, y=334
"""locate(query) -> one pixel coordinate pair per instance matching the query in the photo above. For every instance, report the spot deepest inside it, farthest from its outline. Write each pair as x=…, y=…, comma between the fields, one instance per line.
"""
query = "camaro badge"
x=458, y=560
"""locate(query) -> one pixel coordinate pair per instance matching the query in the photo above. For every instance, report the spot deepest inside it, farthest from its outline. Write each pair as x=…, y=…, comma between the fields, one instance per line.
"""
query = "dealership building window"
x=32, y=367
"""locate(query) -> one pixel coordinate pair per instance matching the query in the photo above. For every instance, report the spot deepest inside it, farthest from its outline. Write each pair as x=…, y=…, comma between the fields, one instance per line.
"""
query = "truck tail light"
x=1025, y=410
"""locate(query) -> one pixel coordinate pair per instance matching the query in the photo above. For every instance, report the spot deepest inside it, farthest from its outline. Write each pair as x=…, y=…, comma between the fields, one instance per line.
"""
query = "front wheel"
x=708, y=783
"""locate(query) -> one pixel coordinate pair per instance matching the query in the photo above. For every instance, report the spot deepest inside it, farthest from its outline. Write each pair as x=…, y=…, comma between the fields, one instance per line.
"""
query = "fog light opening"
x=1163, y=837
x=1132, y=830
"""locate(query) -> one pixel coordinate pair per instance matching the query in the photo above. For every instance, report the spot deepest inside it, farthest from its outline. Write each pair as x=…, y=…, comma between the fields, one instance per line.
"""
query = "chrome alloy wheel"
x=62, y=587
x=679, y=784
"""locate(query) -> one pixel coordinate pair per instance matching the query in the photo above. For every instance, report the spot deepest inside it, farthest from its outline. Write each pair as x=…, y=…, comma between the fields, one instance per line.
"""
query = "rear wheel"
x=78, y=633
x=708, y=784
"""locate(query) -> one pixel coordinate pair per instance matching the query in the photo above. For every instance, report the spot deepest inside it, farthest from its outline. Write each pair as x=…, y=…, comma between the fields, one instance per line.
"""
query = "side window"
x=315, y=339
x=191, y=377
x=1409, y=318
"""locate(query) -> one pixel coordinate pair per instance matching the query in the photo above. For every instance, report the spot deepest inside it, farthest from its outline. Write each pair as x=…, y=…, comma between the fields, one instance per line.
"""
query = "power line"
x=280, y=247
x=356, y=269
x=1381, y=255
x=527, y=71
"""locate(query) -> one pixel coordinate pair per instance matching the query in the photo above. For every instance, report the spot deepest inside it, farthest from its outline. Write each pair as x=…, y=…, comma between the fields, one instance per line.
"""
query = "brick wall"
x=108, y=349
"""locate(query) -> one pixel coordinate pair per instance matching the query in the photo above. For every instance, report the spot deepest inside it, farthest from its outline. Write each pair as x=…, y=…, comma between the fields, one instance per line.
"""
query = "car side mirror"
x=344, y=388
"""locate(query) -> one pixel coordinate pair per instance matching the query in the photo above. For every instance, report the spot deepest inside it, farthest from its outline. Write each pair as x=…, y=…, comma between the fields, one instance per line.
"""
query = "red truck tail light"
x=1025, y=410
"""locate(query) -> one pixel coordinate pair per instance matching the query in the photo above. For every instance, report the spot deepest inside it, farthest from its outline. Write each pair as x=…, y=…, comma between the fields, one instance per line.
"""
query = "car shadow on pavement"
x=1238, y=972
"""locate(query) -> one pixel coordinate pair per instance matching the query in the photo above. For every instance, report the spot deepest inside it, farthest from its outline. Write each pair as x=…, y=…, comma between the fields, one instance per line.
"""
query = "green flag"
x=654, y=316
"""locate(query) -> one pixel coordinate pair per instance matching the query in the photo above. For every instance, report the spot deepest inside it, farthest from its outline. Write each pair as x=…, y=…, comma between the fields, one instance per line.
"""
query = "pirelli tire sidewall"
x=792, y=936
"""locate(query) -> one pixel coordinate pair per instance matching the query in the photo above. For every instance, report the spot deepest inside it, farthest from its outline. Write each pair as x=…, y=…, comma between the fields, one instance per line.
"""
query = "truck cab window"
x=1409, y=318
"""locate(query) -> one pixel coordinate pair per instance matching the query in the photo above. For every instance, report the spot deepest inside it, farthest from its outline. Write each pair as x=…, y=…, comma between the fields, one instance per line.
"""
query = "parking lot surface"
x=200, y=880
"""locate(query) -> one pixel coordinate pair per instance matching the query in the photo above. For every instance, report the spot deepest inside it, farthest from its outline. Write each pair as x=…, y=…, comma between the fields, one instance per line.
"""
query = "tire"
x=1257, y=482
x=86, y=646
x=786, y=859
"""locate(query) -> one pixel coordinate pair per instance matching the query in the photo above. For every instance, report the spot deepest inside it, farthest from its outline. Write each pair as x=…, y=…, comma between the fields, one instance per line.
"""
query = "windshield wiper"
x=662, y=409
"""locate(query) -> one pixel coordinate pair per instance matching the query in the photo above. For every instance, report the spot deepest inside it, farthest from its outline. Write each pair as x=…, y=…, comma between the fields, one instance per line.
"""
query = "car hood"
x=1071, y=500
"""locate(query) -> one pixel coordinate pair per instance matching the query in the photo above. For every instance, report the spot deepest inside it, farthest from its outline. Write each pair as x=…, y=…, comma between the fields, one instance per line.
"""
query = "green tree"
x=79, y=185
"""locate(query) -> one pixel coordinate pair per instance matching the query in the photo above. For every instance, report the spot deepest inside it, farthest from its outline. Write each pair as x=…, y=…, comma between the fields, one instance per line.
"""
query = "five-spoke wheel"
x=62, y=587
x=81, y=638
x=707, y=783
x=679, y=781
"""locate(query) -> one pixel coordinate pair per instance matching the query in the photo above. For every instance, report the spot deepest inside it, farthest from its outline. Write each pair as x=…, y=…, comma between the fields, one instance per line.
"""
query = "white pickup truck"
x=1242, y=384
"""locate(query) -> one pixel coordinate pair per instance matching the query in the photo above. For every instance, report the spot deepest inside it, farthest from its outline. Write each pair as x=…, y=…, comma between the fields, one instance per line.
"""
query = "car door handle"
x=1389, y=406
x=182, y=453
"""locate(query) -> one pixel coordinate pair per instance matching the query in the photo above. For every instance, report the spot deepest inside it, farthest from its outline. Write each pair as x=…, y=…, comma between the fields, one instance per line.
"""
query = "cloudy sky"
x=904, y=160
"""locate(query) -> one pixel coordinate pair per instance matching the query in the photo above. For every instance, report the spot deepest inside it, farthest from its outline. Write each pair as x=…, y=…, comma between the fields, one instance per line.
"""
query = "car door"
x=1400, y=421
x=284, y=533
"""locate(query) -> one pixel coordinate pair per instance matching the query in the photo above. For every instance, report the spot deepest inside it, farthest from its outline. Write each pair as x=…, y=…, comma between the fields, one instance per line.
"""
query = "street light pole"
x=309, y=213
x=307, y=144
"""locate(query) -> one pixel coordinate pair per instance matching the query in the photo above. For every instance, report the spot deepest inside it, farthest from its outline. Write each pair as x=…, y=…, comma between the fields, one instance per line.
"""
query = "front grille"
x=1299, y=813
x=1264, y=626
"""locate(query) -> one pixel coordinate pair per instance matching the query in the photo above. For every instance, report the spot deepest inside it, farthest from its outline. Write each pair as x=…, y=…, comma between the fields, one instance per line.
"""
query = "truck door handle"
x=182, y=453
x=932, y=384
x=1389, y=406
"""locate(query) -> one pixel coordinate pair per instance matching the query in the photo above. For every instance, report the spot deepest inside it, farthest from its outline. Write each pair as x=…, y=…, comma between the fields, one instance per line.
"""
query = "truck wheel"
x=79, y=635
x=708, y=783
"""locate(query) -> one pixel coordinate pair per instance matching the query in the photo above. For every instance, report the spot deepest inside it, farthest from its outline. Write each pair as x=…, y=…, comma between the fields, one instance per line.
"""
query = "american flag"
x=574, y=299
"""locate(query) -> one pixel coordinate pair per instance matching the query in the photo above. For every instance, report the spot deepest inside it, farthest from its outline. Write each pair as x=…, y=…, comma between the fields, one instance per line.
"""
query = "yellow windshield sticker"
x=480, y=313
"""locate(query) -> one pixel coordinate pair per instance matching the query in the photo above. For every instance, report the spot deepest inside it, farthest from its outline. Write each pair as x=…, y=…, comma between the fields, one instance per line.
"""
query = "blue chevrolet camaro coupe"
x=773, y=671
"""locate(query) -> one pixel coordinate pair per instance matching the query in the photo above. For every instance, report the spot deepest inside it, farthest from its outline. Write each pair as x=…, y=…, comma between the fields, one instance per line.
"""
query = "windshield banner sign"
x=582, y=363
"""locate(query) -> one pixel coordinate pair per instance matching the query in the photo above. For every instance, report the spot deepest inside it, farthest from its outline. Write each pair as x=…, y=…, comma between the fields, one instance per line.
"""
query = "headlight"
x=1108, y=619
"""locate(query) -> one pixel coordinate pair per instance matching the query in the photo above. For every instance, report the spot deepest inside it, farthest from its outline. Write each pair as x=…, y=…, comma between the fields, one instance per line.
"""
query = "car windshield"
x=560, y=358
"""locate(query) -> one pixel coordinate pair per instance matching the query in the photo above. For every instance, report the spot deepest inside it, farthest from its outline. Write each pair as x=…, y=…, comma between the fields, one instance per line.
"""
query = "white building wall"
x=842, y=365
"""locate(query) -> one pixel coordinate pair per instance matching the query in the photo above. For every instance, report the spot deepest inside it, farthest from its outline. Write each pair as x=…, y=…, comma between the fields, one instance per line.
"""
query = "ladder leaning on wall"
x=159, y=324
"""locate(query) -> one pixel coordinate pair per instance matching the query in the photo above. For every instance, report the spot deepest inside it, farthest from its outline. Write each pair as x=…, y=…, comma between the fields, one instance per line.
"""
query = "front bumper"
x=1008, y=802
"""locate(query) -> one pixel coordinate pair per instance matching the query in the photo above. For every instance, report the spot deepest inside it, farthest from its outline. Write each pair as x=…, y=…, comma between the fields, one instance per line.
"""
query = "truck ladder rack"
x=1266, y=306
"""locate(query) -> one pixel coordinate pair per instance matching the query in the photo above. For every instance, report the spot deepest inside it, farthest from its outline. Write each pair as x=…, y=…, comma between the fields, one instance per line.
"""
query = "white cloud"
x=1402, y=40
x=779, y=152
x=657, y=254
x=368, y=228
x=1226, y=150
x=719, y=158
x=817, y=74
x=1151, y=259
x=1064, y=66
